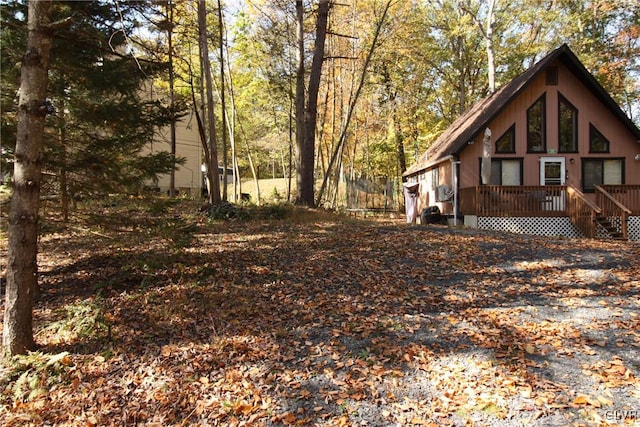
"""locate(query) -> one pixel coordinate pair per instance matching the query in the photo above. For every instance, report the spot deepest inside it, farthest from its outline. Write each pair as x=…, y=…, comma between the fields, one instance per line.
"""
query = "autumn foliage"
x=153, y=314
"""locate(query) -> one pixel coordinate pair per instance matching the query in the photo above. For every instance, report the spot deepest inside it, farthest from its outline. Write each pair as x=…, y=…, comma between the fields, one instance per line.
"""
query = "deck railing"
x=514, y=200
x=582, y=212
x=613, y=209
x=627, y=195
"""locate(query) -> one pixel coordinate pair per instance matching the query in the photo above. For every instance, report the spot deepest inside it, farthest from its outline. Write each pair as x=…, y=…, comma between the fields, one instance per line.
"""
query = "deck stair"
x=611, y=231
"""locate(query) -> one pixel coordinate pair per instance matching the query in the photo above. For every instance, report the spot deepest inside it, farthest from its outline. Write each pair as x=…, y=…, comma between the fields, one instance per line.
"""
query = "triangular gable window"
x=537, y=127
x=567, y=126
x=597, y=142
x=507, y=142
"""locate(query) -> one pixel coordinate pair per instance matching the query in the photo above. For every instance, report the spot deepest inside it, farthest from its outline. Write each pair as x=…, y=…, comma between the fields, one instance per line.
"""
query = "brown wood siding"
x=590, y=111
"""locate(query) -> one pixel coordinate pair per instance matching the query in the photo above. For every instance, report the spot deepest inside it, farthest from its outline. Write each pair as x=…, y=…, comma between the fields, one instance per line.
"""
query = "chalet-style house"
x=550, y=153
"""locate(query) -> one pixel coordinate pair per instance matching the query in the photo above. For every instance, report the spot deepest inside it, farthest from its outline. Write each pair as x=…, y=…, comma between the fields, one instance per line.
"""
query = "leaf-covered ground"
x=155, y=316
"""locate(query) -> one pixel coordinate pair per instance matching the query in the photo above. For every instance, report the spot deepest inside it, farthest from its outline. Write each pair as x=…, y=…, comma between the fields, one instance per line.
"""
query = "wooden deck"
x=609, y=208
x=509, y=201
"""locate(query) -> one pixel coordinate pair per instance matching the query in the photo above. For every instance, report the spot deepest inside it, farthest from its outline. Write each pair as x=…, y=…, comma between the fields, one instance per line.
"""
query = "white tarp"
x=411, y=200
x=485, y=172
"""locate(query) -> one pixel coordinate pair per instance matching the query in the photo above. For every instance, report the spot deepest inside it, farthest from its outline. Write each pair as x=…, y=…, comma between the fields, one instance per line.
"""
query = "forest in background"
x=394, y=75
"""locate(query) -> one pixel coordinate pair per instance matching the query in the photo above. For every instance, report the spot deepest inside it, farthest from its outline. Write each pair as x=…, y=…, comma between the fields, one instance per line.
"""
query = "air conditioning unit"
x=443, y=193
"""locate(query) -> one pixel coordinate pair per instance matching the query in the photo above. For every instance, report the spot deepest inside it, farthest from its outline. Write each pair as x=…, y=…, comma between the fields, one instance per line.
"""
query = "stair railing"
x=582, y=211
x=612, y=209
x=627, y=194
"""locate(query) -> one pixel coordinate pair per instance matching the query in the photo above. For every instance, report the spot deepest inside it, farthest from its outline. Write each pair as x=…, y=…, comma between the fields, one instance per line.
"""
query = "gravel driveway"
x=490, y=329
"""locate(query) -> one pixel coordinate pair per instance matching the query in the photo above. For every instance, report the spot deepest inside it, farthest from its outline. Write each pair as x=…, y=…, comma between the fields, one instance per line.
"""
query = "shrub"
x=229, y=211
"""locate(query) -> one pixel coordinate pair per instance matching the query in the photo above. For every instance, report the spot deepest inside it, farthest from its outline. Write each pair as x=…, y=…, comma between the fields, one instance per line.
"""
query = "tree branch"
x=53, y=26
x=341, y=35
x=326, y=58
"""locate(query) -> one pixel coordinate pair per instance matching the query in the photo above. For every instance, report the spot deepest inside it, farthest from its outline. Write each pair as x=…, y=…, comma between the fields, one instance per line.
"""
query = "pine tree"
x=106, y=119
x=23, y=214
x=103, y=118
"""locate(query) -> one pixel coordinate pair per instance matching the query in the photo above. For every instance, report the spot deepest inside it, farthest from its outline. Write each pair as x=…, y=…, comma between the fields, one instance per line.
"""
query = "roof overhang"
x=429, y=165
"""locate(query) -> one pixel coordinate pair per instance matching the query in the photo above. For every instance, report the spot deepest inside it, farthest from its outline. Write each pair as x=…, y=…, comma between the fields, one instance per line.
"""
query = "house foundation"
x=542, y=226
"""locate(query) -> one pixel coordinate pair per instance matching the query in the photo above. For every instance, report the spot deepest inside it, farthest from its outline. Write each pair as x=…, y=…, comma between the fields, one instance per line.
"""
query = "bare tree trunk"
x=253, y=173
x=22, y=269
x=232, y=133
x=395, y=121
x=231, y=124
x=490, y=52
x=291, y=142
x=462, y=82
x=337, y=178
x=64, y=185
x=487, y=34
x=172, y=175
x=199, y=120
x=399, y=137
x=283, y=164
x=251, y=165
x=222, y=102
x=212, y=167
x=200, y=112
x=307, y=135
x=306, y=192
x=300, y=91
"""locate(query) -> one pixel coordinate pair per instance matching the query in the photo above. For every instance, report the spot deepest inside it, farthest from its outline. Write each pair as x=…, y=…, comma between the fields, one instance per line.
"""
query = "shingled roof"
x=471, y=123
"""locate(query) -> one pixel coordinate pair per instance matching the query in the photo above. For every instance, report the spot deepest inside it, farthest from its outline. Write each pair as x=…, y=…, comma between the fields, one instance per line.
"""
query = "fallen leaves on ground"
x=331, y=322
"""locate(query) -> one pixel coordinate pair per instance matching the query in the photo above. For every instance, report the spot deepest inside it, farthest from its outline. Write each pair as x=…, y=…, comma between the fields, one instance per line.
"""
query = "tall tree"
x=300, y=105
x=606, y=36
x=95, y=140
x=434, y=62
x=265, y=61
x=172, y=96
x=22, y=271
x=107, y=120
x=306, y=149
x=210, y=149
x=223, y=104
x=12, y=45
x=488, y=34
